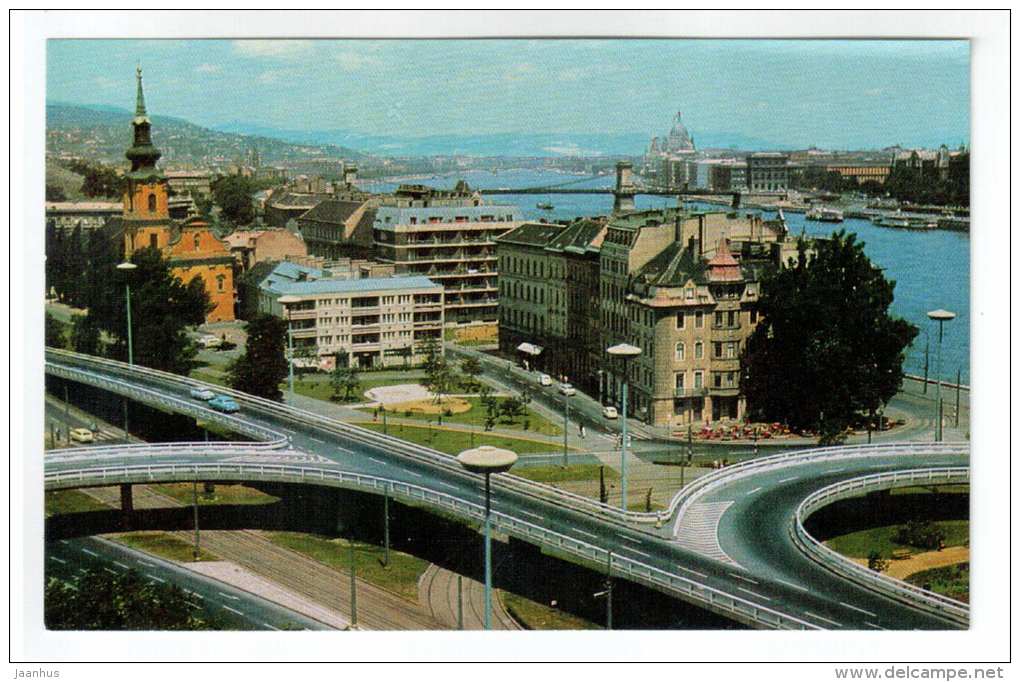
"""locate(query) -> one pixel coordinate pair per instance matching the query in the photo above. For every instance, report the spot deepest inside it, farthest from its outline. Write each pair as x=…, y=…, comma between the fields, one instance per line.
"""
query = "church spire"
x=142, y=154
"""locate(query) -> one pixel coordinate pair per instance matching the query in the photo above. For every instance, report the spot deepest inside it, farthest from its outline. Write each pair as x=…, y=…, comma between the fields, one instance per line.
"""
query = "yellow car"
x=82, y=436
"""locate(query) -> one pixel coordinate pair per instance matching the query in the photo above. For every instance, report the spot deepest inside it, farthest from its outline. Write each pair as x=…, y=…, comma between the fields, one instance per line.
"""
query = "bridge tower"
x=625, y=189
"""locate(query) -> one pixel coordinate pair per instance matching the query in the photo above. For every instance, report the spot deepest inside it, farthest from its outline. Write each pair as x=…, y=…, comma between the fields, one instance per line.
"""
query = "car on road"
x=567, y=389
x=82, y=435
x=209, y=341
x=545, y=380
x=202, y=393
x=609, y=412
x=222, y=403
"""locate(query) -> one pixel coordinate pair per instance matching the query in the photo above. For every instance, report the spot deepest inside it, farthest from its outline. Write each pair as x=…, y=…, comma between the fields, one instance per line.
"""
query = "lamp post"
x=487, y=460
x=625, y=352
x=127, y=267
x=286, y=302
x=566, y=423
x=940, y=316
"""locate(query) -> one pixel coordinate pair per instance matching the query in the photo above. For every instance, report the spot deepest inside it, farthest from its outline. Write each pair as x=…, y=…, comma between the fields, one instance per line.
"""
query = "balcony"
x=690, y=392
x=725, y=391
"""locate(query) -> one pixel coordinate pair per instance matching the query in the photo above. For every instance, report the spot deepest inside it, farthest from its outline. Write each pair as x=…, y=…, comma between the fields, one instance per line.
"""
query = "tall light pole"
x=286, y=302
x=940, y=316
x=127, y=267
x=487, y=460
x=625, y=352
x=566, y=423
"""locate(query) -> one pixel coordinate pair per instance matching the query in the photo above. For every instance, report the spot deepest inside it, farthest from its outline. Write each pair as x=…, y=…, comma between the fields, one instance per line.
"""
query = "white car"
x=545, y=380
x=82, y=436
x=567, y=389
x=609, y=412
x=209, y=341
x=200, y=393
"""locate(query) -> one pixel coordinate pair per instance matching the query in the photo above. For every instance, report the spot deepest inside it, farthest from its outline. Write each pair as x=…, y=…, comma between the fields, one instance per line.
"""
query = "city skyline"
x=795, y=93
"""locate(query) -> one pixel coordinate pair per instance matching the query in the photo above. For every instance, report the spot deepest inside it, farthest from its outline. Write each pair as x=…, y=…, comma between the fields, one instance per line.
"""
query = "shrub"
x=921, y=533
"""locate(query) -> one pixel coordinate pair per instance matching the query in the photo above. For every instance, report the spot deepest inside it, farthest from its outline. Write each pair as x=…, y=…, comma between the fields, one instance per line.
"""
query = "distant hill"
x=103, y=133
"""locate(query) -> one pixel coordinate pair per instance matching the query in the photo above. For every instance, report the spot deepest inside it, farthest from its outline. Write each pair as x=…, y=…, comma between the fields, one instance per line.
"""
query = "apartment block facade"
x=371, y=322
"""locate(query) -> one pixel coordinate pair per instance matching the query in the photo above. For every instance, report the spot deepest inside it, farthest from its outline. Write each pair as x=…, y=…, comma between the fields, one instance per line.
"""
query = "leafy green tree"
x=511, y=408
x=876, y=562
x=264, y=365
x=55, y=193
x=439, y=375
x=54, y=332
x=344, y=381
x=162, y=308
x=85, y=336
x=233, y=195
x=472, y=369
x=100, y=601
x=827, y=351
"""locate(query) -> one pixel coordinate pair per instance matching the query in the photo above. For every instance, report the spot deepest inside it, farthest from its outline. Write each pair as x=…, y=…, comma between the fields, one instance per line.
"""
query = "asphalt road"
x=821, y=604
x=236, y=609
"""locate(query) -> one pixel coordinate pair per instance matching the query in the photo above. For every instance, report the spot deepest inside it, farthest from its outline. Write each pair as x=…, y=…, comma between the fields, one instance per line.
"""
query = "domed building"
x=669, y=161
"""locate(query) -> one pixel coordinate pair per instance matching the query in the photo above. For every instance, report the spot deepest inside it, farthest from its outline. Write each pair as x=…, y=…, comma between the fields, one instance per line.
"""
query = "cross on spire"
x=140, y=99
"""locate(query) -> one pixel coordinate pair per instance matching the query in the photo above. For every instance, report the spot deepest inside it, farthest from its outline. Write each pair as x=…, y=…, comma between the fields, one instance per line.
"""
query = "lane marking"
x=124, y=566
x=195, y=594
x=109, y=570
x=697, y=573
x=583, y=532
x=229, y=596
x=760, y=596
x=158, y=580
x=145, y=563
x=533, y=515
x=270, y=626
x=815, y=615
x=856, y=608
x=413, y=473
x=752, y=492
x=192, y=604
x=877, y=627
x=377, y=461
x=746, y=580
x=58, y=560
x=64, y=542
x=785, y=480
x=447, y=485
x=89, y=552
x=234, y=610
x=796, y=587
x=631, y=549
x=835, y=471
x=629, y=538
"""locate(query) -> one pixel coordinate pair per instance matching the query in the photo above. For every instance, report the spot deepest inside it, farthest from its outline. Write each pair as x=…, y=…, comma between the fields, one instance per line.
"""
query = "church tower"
x=146, y=199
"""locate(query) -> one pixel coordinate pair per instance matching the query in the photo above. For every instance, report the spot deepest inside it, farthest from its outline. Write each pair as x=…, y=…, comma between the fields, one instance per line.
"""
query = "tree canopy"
x=232, y=194
x=263, y=366
x=827, y=351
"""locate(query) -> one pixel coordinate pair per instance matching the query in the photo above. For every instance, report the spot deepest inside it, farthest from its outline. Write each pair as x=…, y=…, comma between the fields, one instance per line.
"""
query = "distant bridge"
x=558, y=189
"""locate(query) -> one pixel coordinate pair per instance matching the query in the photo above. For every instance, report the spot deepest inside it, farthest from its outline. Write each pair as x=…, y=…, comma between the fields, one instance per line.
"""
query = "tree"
x=162, y=308
x=876, y=562
x=344, y=381
x=439, y=375
x=100, y=601
x=233, y=195
x=263, y=366
x=55, y=193
x=511, y=408
x=472, y=369
x=827, y=351
x=54, y=332
x=85, y=337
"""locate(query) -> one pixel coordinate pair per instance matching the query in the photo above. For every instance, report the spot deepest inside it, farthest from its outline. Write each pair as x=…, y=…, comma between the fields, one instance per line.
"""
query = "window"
x=718, y=318
x=680, y=320
x=152, y=203
x=699, y=350
x=731, y=318
x=731, y=349
x=197, y=242
x=679, y=379
x=153, y=241
x=699, y=319
x=717, y=379
x=698, y=379
x=219, y=282
x=753, y=315
x=680, y=351
x=689, y=293
x=717, y=351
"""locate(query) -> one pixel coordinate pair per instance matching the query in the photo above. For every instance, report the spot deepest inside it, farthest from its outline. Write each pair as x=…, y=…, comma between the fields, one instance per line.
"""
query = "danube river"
x=931, y=268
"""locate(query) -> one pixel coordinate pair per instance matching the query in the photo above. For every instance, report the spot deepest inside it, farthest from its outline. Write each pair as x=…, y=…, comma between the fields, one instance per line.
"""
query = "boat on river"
x=824, y=215
x=544, y=206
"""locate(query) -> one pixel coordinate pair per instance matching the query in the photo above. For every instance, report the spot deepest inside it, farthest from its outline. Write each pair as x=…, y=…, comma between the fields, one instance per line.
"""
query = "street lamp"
x=487, y=460
x=127, y=267
x=625, y=352
x=286, y=302
x=941, y=316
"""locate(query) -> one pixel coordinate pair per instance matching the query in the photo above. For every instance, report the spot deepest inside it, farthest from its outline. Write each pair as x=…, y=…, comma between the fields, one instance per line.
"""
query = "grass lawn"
x=554, y=473
x=210, y=375
x=639, y=504
x=940, y=489
x=453, y=442
x=859, y=544
x=401, y=576
x=535, y=616
x=951, y=581
x=317, y=385
x=224, y=494
x=476, y=416
x=164, y=545
x=70, y=502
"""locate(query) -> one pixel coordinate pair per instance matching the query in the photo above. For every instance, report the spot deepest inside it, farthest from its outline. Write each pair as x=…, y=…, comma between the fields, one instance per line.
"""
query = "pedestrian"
x=581, y=429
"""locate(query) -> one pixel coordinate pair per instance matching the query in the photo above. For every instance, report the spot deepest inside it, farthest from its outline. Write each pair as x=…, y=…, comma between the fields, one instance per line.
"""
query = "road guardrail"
x=894, y=588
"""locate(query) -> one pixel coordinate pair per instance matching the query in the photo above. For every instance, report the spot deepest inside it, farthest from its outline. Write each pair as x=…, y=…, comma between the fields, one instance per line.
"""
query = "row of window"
x=719, y=380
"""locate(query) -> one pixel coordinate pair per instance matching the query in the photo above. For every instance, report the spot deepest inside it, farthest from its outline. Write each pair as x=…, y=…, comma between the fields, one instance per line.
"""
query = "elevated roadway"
x=758, y=585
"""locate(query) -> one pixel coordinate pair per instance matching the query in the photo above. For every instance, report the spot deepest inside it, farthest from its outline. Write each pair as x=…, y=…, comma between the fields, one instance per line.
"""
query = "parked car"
x=209, y=341
x=609, y=412
x=545, y=380
x=201, y=393
x=82, y=436
x=567, y=389
x=222, y=403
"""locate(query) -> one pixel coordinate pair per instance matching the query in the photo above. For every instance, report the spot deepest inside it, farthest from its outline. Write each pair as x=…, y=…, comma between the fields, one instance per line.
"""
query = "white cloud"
x=207, y=68
x=278, y=49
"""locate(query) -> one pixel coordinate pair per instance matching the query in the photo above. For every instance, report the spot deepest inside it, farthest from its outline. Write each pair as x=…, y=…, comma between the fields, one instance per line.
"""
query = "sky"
x=832, y=94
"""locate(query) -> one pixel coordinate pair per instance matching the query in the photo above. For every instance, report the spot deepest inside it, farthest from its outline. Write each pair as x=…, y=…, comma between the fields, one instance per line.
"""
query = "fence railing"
x=883, y=584
x=735, y=607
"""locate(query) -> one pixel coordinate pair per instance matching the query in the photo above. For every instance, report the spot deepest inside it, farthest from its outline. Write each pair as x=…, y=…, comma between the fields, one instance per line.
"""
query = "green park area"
x=951, y=581
x=221, y=494
x=534, y=616
x=883, y=540
x=399, y=576
x=71, y=502
x=164, y=545
x=555, y=473
x=453, y=441
x=472, y=411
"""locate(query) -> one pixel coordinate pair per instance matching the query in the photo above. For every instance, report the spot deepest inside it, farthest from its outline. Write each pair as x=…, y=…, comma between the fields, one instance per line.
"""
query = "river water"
x=931, y=268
